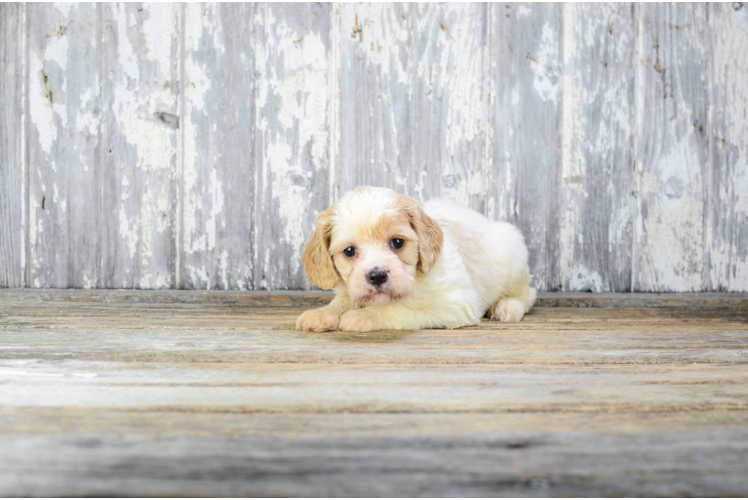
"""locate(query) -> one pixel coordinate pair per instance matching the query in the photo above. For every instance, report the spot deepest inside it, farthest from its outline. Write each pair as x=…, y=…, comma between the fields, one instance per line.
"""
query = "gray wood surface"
x=673, y=148
x=152, y=393
x=317, y=298
x=12, y=121
x=191, y=146
x=294, y=91
x=64, y=138
x=375, y=116
x=728, y=179
x=595, y=203
x=526, y=63
x=167, y=453
x=450, y=103
x=217, y=180
x=138, y=145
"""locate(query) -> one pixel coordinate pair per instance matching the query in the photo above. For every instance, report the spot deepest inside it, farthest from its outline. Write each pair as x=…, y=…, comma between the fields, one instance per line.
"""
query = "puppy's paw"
x=507, y=310
x=358, y=320
x=319, y=320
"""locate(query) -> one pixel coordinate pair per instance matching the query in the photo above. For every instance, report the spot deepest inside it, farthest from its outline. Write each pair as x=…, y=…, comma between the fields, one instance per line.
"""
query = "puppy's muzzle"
x=377, y=276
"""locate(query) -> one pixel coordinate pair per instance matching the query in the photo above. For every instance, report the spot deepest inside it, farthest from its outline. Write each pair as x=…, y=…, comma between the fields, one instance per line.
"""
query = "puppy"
x=397, y=264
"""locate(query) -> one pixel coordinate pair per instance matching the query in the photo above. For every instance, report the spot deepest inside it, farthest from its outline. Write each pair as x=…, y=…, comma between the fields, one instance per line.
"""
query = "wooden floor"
x=188, y=393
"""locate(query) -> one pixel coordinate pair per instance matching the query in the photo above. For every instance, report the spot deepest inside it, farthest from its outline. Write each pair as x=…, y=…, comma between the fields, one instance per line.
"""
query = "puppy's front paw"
x=508, y=310
x=319, y=320
x=358, y=320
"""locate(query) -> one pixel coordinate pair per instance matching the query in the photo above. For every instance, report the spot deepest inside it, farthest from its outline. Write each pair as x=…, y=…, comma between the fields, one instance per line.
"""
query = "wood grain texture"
x=376, y=119
x=12, y=161
x=217, y=182
x=595, y=207
x=210, y=333
x=727, y=235
x=449, y=99
x=171, y=146
x=361, y=388
x=416, y=81
x=673, y=148
x=480, y=455
x=138, y=150
x=64, y=138
x=526, y=454
x=107, y=395
x=526, y=67
x=295, y=71
x=710, y=300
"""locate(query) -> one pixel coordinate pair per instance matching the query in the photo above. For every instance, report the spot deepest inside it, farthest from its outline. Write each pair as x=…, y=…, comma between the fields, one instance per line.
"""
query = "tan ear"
x=430, y=241
x=318, y=263
x=429, y=232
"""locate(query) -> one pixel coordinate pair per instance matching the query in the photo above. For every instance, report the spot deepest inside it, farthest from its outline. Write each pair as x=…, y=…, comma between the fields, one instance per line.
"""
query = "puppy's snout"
x=377, y=276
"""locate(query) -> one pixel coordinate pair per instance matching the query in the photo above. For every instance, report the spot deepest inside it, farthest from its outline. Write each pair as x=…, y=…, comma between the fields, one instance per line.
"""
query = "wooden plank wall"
x=191, y=146
x=12, y=120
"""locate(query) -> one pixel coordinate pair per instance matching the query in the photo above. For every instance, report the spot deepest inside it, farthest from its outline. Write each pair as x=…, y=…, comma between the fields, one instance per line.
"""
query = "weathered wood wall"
x=191, y=146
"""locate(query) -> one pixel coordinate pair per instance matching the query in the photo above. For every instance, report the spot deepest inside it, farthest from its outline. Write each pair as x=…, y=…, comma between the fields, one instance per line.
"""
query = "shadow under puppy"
x=397, y=264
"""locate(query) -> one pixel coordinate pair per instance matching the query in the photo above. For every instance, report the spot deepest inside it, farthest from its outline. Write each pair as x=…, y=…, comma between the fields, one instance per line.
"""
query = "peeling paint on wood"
x=292, y=137
x=191, y=146
x=526, y=64
x=727, y=226
x=672, y=152
x=64, y=138
x=138, y=148
x=12, y=173
x=450, y=123
x=217, y=185
x=595, y=203
x=376, y=95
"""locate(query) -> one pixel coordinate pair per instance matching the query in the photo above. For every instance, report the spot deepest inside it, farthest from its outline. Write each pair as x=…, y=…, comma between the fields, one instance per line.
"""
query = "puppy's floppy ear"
x=430, y=234
x=318, y=263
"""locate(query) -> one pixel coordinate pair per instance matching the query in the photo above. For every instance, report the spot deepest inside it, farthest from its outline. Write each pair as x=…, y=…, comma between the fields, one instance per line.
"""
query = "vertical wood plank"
x=594, y=203
x=414, y=99
x=138, y=145
x=526, y=50
x=64, y=136
x=288, y=105
x=218, y=179
x=376, y=97
x=728, y=186
x=292, y=140
x=12, y=179
x=450, y=102
x=673, y=147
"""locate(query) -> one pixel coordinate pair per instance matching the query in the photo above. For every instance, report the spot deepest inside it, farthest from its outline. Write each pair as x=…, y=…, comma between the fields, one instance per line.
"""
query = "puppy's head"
x=374, y=241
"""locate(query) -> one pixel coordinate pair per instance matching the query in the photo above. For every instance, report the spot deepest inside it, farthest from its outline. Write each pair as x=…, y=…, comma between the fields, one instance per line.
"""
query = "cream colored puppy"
x=397, y=264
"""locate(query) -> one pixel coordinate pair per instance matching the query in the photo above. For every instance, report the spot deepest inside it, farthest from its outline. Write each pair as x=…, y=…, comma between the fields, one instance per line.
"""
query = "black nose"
x=377, y=276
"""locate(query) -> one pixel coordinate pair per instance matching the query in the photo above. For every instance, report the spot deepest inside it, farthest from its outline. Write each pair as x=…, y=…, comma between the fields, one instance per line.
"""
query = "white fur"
x=482, y=269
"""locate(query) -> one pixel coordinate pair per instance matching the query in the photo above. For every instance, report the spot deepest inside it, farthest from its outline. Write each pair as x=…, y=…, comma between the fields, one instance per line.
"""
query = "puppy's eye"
x=397, y=243
x=349, y=252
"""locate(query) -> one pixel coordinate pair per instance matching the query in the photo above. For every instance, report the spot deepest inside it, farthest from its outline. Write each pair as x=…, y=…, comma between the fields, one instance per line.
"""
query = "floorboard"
x=133, y=393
